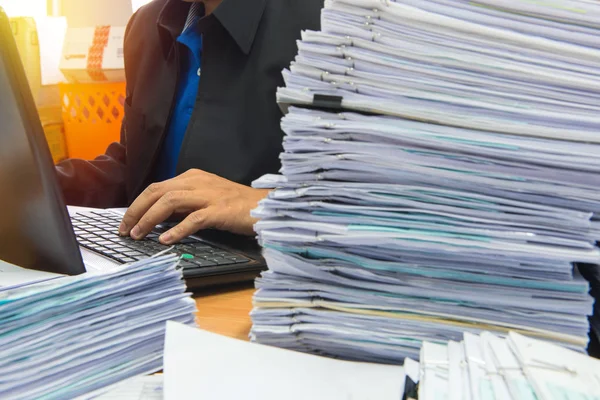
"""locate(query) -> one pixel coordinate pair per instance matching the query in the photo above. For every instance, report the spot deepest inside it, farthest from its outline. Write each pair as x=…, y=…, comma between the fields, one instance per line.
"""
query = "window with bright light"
x=25, y=8
x=138, y=3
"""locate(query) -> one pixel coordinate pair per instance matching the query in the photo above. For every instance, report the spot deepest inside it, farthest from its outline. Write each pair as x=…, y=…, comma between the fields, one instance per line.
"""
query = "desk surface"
x=226, y=310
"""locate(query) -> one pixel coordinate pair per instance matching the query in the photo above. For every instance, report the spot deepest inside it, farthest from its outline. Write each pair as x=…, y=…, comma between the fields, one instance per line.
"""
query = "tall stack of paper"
x=74, y=335
x=486, y=366
x=459, y=203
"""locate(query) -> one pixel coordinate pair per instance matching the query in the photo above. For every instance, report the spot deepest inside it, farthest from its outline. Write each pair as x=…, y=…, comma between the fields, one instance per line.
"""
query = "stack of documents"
x=486, y=366
x=482, y=366
x=73, y=335
x=461, y=202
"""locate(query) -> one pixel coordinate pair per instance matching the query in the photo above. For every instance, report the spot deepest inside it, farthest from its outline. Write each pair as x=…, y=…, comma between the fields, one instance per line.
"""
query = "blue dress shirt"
x=187, y=90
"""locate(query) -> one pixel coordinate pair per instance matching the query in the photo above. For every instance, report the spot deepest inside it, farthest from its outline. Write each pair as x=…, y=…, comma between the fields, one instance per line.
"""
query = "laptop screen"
x=35, y=230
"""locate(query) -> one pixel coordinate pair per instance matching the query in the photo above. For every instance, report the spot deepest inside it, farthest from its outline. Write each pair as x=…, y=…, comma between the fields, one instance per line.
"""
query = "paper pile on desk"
x=482, y=366
x=74, y=335
x=486, y=366
x=463, y=208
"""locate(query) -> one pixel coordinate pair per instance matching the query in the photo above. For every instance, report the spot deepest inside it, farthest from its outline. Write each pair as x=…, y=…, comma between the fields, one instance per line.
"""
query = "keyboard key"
x=220, y=261
x=197, y=248
x=221, y=254
x=187, y=264
x=133, y=253
x=188, y=240
x=117, y=248
x=124, y=240
x=202, y=253
x=203, y=263
x=151, y=249
x=145, y=247
x=238, y=259
x=105, y=214
x=154, y=247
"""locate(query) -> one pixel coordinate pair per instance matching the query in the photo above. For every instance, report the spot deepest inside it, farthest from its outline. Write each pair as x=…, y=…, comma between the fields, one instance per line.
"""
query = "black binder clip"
x=327, y=102
x=411, y=389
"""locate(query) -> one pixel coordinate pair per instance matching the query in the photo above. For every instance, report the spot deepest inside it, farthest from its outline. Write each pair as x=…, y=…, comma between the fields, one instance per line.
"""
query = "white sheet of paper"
x=141, y=387
x=12, y=276
x=199, y=363
x=412, y=369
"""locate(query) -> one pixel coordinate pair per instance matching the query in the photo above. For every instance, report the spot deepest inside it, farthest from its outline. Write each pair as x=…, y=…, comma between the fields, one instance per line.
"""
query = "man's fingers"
x=145, y=200
x=164, y=208
x=202, y=219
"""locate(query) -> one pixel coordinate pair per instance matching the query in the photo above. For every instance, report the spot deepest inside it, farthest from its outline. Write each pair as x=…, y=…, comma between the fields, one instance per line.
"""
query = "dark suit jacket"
x=234, y=131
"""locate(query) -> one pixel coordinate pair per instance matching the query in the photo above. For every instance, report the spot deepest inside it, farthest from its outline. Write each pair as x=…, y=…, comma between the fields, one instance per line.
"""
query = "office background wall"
x=79, y=13
x=90, y=13
x=29, y=8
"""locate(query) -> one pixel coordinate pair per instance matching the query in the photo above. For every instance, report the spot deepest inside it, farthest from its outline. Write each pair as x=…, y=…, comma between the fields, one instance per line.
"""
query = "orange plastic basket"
x=92, y=114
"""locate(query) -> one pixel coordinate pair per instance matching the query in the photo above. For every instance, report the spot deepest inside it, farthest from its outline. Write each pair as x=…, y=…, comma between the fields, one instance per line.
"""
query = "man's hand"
x=209, y=201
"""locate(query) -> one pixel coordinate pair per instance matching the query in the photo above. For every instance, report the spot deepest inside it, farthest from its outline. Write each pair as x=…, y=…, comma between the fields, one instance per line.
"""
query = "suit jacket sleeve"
x=101, y=182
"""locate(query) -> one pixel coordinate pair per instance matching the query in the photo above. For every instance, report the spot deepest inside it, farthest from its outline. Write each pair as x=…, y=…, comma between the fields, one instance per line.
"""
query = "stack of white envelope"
x=488, y=367
x=73, y=335
x=460, y=199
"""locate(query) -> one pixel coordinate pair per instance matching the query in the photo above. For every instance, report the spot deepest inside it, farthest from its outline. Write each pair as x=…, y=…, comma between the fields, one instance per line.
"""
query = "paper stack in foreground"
x=461, y=202
x=74, y=335
x=482, y=366
x=486, y=366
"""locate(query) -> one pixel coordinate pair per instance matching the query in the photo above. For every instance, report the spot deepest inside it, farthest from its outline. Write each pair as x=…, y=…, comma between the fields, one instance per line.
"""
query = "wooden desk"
x=226, y=310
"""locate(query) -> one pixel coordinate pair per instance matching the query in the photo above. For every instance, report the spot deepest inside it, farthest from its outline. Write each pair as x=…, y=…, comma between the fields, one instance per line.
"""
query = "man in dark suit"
x=201, y=120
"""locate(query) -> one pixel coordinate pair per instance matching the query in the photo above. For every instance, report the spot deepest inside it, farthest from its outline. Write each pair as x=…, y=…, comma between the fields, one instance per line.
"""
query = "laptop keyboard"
x=98, y=232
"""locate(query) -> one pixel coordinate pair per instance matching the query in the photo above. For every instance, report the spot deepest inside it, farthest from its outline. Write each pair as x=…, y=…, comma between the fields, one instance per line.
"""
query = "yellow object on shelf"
x=92, y=114
x=50, y=115
x=55, y=136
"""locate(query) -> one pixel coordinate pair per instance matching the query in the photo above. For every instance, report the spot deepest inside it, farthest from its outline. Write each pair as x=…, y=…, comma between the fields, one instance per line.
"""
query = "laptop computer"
x=38, y=231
